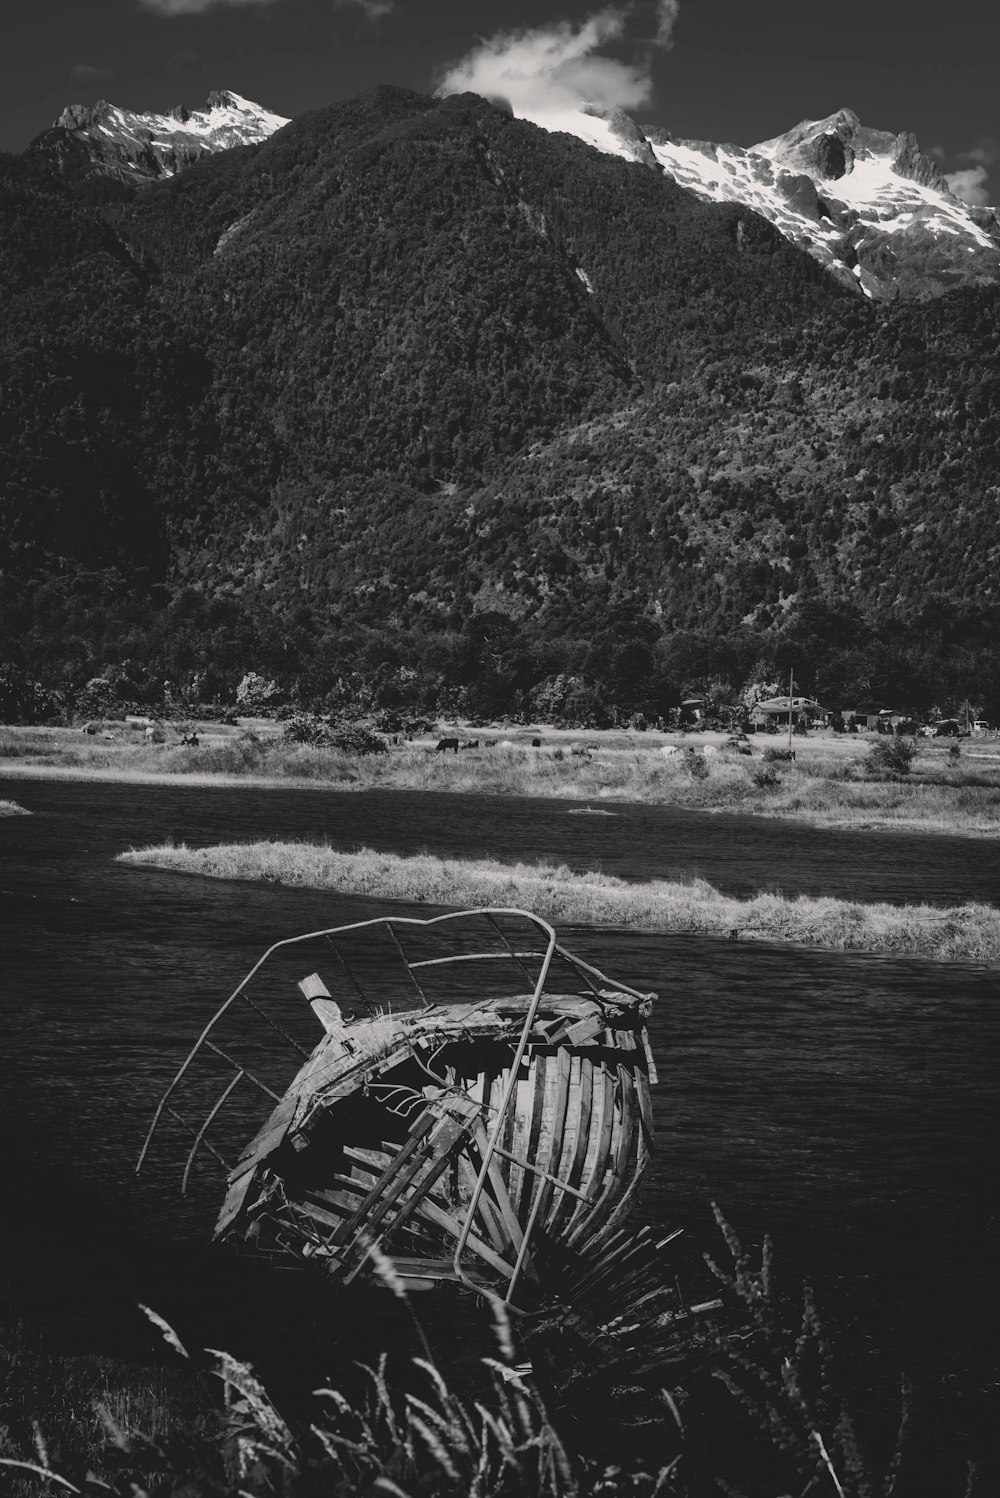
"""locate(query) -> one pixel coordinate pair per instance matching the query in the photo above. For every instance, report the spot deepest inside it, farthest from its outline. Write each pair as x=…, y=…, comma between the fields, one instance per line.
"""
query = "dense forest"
x=417, y=406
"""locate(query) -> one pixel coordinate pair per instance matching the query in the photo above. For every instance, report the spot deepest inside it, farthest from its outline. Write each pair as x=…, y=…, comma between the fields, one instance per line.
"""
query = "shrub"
x=358, y=738
x=772, y=754
x=891, y=756
x=307, y=728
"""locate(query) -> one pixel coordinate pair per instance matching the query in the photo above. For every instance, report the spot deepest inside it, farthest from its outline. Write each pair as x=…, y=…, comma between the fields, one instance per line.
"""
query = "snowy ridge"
x=866, y=203
x=135, y=146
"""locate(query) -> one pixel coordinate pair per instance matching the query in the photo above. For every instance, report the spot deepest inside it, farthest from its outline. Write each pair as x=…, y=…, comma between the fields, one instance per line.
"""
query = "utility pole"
x=790, y=680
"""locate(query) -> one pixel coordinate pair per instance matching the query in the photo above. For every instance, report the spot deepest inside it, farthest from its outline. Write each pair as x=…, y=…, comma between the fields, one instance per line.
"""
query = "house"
x=693, y=710
x=865, y=715
x=774, y=712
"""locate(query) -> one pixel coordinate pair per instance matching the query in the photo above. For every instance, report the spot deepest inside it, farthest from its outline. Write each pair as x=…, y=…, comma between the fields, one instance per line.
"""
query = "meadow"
x=832, y=781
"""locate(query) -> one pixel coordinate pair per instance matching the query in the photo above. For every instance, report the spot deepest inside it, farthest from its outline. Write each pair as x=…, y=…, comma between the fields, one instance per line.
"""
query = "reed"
x=13, y=809
x=959, y=933
x=72, y=1415
x=411, y=1432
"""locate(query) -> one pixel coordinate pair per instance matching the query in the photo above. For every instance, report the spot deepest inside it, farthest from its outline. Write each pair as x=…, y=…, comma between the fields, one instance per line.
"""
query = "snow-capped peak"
x=135, y=146
x=866, y=203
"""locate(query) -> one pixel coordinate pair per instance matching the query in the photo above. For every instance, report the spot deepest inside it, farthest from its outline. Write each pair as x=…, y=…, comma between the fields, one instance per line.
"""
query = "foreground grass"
x=211, y=1429
x=962, y=933
x=825, y=787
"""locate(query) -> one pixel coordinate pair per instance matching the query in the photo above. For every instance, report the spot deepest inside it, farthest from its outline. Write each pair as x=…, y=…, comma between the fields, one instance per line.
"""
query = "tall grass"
x=78, y=1414
x=412, y=1433
x=965, y=932
x=13, y=809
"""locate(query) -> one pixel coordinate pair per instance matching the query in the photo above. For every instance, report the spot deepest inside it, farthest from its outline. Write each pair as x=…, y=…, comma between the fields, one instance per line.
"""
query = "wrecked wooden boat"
x=476, y=1107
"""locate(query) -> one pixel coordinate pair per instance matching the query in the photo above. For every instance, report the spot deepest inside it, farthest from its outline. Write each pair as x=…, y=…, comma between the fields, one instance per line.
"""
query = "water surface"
x=845, y=1104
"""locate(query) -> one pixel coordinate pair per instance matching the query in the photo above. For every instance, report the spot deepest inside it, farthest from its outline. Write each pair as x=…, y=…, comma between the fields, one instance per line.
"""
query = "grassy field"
x=962, y=933
x=830, y=783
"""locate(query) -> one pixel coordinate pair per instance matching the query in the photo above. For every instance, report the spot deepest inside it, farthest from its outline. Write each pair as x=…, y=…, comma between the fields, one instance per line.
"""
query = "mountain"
x=416, y=403
x=867, y=204
x=102, y=138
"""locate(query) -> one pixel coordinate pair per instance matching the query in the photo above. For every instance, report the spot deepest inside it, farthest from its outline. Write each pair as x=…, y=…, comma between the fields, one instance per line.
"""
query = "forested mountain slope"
x=414, y=397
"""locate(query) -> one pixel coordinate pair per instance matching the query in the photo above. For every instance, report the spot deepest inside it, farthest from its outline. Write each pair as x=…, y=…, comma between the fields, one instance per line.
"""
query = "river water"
x=845, y=1105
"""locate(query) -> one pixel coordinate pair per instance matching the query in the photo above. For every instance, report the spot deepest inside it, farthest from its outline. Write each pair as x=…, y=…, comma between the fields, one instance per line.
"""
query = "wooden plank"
x=511, y=1172
x=321, y=1214
x=537, y=1170
x=428, y=1180
x=623, y=1180
x=559, y=1208
x=268, y=1137
x=645, y=1108
x=434, y=1132
x=650, y=1062
x=490, y=1218
x=321, y=1081
x=375, y=1160
x=411, y=1266
x=583, y=1102
x=397, y=1165
x=540, y=1061
x=450, y=1225
x=560, y=1103
x=523, y=1114
x=501, y=1200
x=597, y=1185
x=233, y=1204
x=627, y=1199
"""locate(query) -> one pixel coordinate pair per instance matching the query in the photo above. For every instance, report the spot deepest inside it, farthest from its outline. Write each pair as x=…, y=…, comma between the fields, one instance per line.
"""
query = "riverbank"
x=964, y=933
x=829, y=784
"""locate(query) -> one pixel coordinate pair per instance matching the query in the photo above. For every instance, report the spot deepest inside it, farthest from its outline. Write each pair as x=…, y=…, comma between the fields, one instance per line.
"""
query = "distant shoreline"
x=830, y=784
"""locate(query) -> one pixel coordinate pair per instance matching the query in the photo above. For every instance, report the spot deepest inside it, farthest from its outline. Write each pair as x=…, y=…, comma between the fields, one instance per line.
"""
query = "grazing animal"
x=536, y=743
x=190, y=739
x=710, y=749
x=669, y=749
x=443, y=745
x=470, y=744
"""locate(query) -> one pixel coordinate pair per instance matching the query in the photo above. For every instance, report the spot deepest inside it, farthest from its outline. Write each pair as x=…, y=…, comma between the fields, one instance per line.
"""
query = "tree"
x=256, y=694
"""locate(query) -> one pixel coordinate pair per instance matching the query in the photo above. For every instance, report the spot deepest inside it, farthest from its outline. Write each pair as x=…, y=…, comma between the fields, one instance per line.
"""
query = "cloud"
x=85, y=73
x=170, y=8
x=666, y=19
x=985, y=154
x=546, y=72
x=969, y=184
x=373, y=10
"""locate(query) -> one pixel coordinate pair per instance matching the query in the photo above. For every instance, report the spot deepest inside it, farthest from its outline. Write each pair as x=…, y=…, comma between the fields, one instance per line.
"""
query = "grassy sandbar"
x=960, y=933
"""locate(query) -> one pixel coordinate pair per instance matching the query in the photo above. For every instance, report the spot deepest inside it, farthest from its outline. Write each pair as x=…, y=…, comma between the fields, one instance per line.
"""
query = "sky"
x=725, y=70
